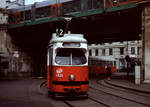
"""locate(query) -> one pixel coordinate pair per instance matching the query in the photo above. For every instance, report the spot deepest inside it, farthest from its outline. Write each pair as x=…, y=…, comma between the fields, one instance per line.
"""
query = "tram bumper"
x=71, y=90
x=70, y=87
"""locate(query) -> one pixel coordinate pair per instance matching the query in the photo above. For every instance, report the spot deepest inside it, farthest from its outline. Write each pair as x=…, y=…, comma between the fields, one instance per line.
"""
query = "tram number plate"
x=59, y=75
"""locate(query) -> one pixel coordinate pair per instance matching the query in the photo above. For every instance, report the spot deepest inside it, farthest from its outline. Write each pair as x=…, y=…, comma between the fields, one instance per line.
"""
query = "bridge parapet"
x=50, y=11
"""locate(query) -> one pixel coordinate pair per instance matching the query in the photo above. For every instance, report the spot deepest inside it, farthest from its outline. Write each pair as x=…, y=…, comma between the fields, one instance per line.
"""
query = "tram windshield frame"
x=71, y=56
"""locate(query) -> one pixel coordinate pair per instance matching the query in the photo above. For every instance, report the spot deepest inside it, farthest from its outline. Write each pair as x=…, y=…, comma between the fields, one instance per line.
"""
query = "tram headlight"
x=72, y=77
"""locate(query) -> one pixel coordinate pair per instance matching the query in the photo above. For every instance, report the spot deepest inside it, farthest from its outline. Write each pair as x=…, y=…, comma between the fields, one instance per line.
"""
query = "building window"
x=121, y=51
x=103, y=52
x=90, y=52
x=96, y=52
x=132, y=50
x=121, y=42
x=138, y=51
x=111, y=51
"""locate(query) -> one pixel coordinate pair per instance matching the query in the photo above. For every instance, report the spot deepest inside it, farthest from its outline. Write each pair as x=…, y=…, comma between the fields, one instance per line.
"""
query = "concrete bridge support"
x=146, y=42
x=19, y=63
x=6, y=44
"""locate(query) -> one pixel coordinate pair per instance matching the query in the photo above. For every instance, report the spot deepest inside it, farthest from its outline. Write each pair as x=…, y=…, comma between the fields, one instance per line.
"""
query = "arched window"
x=103, y=52
x=90, y=52
x=110, y=51
x=96, y=52
x=121, y=51
x=132, y=50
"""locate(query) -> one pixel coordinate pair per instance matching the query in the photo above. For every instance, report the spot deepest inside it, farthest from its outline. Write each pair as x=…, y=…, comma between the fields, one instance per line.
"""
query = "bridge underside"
x=117, y=26
x=107, y=27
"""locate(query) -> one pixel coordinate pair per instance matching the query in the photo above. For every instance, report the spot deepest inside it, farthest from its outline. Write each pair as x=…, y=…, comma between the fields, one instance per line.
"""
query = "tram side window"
x=94, y=4
x=104, y=63
x=92, y=62
x=101, y=63
x=38, y=13
x=28, y=15
x=98, y=4
x=111, y=63
x=72, y=6
x=43, y=12
x=11, y=18
x=22, y=16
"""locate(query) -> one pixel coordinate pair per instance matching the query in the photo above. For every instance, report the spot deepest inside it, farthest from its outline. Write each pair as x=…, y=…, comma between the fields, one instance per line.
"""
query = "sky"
x=30, y=1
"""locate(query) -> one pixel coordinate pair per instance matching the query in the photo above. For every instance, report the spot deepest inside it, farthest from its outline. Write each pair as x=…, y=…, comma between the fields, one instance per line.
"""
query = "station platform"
x=121, y=80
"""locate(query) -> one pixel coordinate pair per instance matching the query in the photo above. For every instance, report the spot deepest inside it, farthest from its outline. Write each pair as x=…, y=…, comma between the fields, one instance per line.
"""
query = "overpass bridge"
x=105, y=19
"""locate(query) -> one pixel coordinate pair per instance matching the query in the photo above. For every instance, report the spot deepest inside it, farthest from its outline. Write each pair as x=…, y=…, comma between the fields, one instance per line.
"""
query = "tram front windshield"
x=70, y=56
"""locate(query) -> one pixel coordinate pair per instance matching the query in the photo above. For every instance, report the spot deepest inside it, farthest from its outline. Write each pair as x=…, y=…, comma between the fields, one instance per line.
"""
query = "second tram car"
x=97, y=65
x=67, y=64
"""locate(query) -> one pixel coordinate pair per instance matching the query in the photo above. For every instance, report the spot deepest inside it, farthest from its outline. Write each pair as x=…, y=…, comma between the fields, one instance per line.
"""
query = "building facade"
x=13, y=62
x=118, y=50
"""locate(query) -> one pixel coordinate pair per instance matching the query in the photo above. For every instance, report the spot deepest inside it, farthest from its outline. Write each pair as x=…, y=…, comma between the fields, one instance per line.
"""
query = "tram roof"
x=68, y=38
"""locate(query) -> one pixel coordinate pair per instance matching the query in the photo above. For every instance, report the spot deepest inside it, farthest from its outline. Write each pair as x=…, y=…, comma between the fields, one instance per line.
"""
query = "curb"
x=126, y=87
x=38, y=77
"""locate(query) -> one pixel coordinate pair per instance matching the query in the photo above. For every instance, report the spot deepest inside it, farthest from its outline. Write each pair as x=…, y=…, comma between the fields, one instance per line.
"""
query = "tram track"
x=101, y=89
x=76, y=102
x=99, y=102
x=67, y=103
x=95, y=103
x=145, y=105
x=100, y=92
x=105, y=84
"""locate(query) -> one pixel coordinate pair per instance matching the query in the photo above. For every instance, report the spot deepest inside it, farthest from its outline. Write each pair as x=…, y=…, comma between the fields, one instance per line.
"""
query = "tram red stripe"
x=134, y=1
x=48, y=76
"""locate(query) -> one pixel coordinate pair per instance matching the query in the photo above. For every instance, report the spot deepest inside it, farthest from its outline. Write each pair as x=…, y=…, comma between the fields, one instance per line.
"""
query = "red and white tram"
x=97, y=65
x=67, y=64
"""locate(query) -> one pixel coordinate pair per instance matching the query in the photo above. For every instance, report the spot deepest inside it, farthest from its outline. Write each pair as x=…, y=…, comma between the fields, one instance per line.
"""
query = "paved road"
x=22, y=93
x=27, y=93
